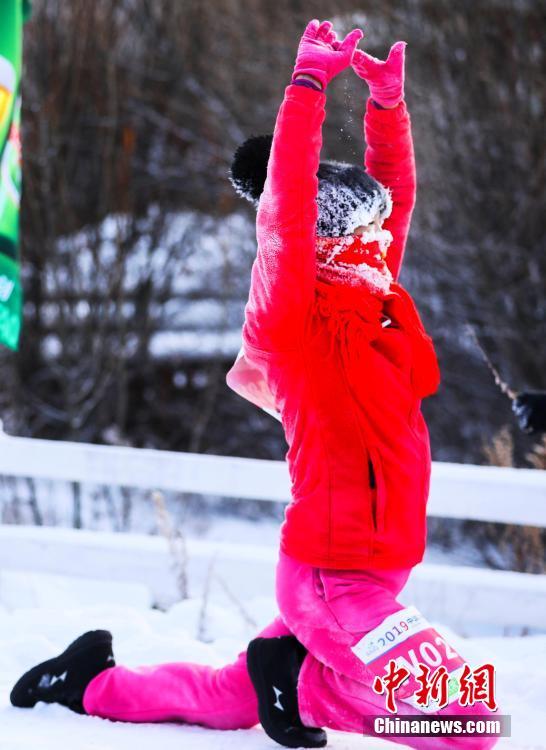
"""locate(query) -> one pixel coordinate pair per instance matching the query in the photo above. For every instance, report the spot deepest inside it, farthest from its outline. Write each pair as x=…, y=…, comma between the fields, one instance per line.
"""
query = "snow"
x=48, y=596
x=342, y=208
x=206, y=261
x=37, y=590
x=471, y=601
x=196, y=344
x=379, y=280
x=144, y=636
x=40, y=613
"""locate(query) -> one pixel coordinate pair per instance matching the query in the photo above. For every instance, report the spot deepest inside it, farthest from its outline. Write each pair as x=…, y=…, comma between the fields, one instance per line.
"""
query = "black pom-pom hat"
x=347, y=196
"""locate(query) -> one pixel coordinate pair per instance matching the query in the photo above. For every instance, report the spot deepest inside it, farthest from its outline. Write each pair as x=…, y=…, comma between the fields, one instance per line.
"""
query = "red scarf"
x=344, y=266
x=349, y=260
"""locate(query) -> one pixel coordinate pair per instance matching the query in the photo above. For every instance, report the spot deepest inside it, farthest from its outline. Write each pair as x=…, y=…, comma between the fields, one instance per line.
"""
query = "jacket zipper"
x=377, y=490
x=371, y=470
x=373, y=487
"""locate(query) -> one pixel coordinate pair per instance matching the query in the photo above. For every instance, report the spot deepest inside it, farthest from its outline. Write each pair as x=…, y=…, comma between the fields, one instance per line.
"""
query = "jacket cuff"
x=304, y=94
x=400, y=112
x=306, y=82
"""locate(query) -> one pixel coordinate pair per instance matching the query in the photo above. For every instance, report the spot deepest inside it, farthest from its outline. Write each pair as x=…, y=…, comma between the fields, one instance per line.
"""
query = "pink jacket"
x=348, y=391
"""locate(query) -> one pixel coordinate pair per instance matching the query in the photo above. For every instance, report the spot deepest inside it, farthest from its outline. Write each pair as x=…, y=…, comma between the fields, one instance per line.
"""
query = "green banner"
x=11, y=27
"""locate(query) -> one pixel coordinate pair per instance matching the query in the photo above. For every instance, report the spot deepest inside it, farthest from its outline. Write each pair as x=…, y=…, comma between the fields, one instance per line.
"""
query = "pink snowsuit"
x=328, y=611
x=336, y=586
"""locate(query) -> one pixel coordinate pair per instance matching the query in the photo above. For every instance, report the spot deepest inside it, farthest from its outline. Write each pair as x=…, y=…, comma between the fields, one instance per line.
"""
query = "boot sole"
x=253, y=661
x=20, y=689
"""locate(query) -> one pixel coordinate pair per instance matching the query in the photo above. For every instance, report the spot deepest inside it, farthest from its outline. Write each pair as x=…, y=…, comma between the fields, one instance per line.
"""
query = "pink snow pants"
x=328, y=611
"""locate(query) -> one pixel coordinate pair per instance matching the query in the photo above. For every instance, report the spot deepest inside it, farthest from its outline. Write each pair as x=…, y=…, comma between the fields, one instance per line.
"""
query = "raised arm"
x=283, y=274
x=282, y=280
x=389, y=159
x=389, y=156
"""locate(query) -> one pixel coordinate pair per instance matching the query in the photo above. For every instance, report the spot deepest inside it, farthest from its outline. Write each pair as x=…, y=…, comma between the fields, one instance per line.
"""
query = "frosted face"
x=374, y=232
x=348, y=198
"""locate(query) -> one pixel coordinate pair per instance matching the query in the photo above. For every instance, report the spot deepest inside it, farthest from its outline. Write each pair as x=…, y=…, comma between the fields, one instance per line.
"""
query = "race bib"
x=408, y=639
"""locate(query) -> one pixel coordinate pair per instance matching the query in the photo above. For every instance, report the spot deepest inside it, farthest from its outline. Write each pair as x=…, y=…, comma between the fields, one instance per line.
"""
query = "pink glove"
x=316, y=56
x=384, y=77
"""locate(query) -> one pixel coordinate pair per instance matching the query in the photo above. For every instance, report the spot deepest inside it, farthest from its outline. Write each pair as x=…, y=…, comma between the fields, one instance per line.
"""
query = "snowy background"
x=136, y=249
x=211, y=634
x=197, y=581
x=56, y=583
x=136, y=255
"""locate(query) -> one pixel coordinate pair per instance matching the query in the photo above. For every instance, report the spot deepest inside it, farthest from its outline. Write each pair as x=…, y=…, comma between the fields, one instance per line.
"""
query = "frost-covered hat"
x=347, y=196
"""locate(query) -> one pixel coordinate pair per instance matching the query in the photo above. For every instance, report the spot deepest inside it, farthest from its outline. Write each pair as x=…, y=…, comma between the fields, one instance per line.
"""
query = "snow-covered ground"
x=42, y=609
x=211, y=634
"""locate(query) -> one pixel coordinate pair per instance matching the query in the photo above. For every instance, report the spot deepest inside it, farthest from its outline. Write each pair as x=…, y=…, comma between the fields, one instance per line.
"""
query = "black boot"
x=274, y=665
x=64, y=679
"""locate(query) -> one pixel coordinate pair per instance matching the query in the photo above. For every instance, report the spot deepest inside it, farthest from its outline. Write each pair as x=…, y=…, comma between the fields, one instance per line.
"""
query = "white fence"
x=453, y=595
x=483, y=493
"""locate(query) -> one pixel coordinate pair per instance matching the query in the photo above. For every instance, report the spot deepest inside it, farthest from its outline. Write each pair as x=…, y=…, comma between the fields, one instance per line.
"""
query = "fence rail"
x=469, y=600
x=464, y=491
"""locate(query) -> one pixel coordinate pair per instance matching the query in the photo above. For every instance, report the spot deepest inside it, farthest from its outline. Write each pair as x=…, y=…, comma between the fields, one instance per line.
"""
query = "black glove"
x=530, y=411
